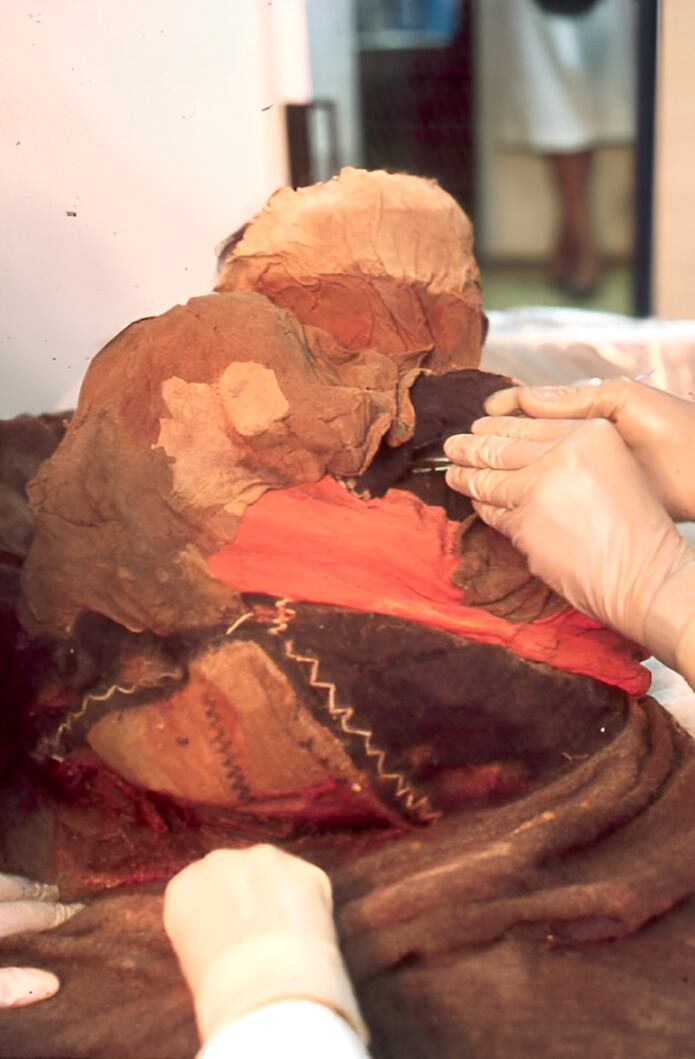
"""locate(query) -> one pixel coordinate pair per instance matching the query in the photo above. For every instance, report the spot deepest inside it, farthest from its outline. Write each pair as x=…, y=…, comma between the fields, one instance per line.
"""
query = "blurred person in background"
x=567, y=86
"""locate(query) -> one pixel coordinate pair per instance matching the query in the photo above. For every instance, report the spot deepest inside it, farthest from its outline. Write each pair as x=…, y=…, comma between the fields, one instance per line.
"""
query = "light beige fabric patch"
x=206, y=467
x=252, y=398
x=235, y=732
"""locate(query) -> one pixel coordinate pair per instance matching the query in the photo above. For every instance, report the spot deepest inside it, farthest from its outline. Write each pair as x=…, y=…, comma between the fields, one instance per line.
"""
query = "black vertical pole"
x=647, y=39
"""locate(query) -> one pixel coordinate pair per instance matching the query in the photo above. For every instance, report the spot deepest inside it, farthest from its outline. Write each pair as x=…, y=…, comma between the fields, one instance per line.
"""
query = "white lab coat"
x=566, y=83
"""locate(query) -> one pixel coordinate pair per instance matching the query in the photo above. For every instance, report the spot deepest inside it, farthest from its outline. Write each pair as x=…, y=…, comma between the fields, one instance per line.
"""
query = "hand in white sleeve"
x=253, y=927
x=28, y=907
x=288, y=1029
x=658, y=428
x=582, y=512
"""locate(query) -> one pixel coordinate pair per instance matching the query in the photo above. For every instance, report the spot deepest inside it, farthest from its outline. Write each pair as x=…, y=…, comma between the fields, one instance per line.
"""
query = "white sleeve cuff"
x=275, y=967
x=670, y=616
x=290, y=1029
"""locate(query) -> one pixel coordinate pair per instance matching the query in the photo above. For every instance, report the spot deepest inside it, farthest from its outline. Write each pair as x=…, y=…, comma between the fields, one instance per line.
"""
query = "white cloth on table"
x=565, y=83
x=543, y=346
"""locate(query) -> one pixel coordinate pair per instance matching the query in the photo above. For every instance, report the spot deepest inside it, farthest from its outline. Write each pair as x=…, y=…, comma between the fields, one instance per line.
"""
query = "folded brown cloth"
x=533, y=929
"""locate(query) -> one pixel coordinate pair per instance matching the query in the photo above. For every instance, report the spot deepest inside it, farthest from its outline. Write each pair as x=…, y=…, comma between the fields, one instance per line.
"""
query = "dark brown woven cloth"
x=361, y=713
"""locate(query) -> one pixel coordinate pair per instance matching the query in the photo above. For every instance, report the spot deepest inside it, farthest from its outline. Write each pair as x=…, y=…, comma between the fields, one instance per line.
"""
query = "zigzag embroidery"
x=232, y=773
x=91, y=696
x=71, y=719
x=418, y=806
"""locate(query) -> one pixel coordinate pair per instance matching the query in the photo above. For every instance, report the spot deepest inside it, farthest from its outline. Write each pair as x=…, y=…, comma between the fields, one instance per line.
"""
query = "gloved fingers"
x=499, y=453
x=523, y=427
x=32, y=917
x=497, y=517
x=20, y=986
x=604, y=400
x=16, y=887
x=500, y=488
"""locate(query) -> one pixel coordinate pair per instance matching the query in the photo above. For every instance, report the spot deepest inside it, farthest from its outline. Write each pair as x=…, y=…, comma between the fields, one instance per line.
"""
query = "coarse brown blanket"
x=538, y=928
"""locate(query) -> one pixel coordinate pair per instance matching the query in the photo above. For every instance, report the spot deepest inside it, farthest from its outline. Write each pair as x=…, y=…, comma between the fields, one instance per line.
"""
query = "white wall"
x=158, y=123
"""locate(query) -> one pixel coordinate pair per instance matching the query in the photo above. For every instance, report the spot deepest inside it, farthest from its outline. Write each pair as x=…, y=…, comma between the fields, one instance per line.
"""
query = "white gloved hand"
x=28, y=907
x=658, y=428
x=581, y=510
x=255, y=926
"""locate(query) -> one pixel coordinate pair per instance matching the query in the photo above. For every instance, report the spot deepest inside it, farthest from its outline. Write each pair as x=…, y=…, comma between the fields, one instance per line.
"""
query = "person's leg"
x=575, y=263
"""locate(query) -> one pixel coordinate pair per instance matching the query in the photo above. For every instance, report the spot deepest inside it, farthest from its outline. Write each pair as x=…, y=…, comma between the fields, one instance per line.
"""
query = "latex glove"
x=255, y=926
x=28, y=907
x=581, y=510
x=658, y=428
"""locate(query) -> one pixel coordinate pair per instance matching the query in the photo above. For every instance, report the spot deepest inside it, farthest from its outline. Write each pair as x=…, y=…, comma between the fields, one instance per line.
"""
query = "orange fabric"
x=396, y=556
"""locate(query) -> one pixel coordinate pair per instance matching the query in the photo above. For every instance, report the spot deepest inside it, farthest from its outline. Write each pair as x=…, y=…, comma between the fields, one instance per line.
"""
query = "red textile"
x=396, y=556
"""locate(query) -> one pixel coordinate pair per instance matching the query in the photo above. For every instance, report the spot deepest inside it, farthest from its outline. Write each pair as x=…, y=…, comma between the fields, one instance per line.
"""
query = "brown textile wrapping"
x=183, y=421
x=380, y=260
x=186, y=419
x=496, y=577
x=25, y=442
